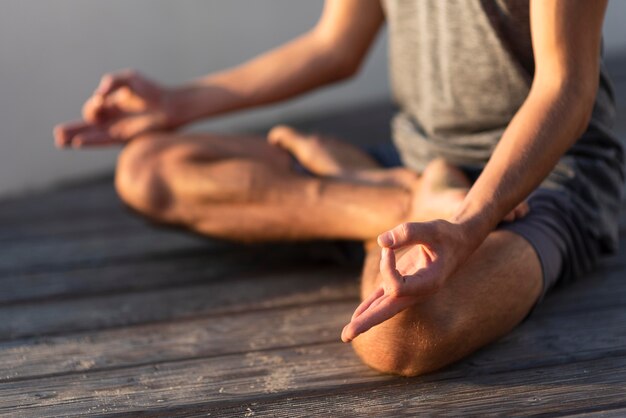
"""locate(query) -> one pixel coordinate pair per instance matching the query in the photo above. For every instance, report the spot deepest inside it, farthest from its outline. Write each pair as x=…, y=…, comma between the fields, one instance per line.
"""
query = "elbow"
x=342, y=65
x=339, y=59
x=348, y=69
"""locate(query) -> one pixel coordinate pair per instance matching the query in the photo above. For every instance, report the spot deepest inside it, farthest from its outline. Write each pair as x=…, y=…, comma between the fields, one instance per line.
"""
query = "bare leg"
x=242, y=188
x=333, y=158
x=483, y=301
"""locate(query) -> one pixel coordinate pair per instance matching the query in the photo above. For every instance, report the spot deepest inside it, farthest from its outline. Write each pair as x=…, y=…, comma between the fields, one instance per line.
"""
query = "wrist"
x=475, y=220
x=176, y=105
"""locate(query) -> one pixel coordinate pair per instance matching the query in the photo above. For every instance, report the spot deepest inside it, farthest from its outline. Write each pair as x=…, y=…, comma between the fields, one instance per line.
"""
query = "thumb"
x=130, y=79
x=408, y=233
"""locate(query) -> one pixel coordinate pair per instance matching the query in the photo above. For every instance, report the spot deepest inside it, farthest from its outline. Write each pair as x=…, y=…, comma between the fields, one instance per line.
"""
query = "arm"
x=566, y=43
x=332, y=51
x=127, y=104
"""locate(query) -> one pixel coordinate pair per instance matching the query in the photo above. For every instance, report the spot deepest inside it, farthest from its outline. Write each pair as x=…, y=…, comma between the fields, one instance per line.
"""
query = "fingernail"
x=385, y=239
x=344, y=335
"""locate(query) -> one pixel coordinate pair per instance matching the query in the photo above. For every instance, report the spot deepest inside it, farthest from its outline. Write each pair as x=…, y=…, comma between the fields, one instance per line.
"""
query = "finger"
x=97, y=109
x=519, y=212
x=522, y=209
x=91, y=108
x=65, y=132
x=129, y=127
x=387, y=308
x=367, y=302
x=372, y=305
x=408, y=233
x=392, y=280
x=113, y=81
x=93, y=138
x=420, y=285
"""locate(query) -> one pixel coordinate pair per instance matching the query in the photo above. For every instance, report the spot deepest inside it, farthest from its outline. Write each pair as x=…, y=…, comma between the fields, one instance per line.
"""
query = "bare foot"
x=322, y=156
x=441, y=189
x=329, y=157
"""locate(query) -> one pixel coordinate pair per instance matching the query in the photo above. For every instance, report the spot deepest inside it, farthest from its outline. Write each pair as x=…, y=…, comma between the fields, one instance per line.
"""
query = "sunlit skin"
x=439, y=280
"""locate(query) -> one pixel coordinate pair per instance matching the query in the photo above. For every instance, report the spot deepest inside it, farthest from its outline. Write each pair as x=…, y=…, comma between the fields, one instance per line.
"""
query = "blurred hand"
x=124, y=105
x=416, y=261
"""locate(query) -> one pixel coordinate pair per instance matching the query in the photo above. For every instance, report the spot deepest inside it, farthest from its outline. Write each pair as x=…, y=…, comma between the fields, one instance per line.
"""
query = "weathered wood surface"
x=330, y=374
x=231, y=341
x=103, y=313
x=106, y=275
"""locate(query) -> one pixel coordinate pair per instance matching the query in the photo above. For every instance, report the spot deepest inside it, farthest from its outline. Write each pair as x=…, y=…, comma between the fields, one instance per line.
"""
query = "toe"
x=282, y=135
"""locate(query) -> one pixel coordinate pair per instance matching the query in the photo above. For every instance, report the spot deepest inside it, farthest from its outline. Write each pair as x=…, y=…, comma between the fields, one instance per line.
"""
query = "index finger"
x=386, y=308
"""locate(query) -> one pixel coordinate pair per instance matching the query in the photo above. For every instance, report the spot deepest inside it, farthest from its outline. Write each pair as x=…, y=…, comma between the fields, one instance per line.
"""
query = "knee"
x=138, y=179
x=405, y=348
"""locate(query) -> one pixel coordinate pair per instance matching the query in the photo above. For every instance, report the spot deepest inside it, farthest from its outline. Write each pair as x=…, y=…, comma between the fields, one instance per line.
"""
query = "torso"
x=460, y=70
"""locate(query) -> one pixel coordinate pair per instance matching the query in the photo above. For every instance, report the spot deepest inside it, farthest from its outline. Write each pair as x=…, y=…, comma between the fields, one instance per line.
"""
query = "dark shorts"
x=554, y=227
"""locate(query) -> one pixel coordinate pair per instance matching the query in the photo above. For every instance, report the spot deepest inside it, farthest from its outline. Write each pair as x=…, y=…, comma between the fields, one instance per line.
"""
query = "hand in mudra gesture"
x=416, y=260
x=125, y=105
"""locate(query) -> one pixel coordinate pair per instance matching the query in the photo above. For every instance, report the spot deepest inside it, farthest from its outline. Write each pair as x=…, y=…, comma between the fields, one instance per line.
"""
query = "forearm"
x=549, y=122
x=292, y=69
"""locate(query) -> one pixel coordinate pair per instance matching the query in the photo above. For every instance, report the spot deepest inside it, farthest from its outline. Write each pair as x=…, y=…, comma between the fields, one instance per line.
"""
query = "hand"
x=428, y=254
x=124, y=105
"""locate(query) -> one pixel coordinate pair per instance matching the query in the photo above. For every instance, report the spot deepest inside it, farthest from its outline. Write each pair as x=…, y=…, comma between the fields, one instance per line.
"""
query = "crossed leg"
x=483, y=301
x=241, y=188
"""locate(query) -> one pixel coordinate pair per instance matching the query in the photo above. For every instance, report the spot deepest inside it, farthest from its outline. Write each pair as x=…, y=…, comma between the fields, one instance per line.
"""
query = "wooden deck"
x=104, y=314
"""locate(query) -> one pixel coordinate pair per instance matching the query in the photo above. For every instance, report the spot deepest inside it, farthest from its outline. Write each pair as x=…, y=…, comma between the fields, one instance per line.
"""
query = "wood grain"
x=225, y=296
x=540, y=342
x=325, y=378
x=172, y=268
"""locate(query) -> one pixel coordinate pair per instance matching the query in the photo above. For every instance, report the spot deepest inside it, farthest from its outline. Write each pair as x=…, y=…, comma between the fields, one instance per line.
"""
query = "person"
x=504, y=177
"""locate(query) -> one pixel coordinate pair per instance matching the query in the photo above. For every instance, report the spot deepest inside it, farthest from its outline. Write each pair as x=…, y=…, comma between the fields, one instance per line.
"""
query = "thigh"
x=208, y=147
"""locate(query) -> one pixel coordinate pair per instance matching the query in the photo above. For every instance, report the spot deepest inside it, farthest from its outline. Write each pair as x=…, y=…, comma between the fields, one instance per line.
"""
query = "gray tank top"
x=460, y=70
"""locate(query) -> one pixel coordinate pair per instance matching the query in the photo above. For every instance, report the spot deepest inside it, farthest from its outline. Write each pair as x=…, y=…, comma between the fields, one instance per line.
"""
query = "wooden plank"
x=230, y=379
x=539, y=342
x=597, y=385
x=602, y=290
x=611, y=413
x=121, y=277
x=63, y=203
x=95, y=250
x=148, y=271
x=175, y=340
x=169, y=270
x=325, y=378
x=116, y=221
x=556, y=339
x=46, y=318
x=233, y=294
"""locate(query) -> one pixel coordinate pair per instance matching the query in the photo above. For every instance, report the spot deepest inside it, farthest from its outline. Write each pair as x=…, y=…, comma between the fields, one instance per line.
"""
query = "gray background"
x=54, y=52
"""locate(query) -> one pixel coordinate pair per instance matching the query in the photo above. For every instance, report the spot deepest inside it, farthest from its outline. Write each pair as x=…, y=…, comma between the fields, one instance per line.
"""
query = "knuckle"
x=404, y=231
x=394, y=289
